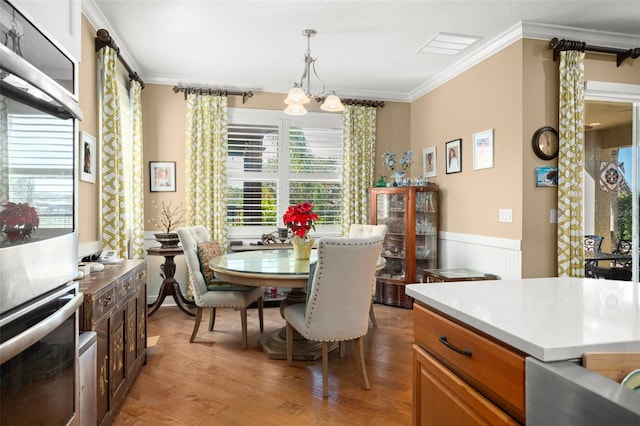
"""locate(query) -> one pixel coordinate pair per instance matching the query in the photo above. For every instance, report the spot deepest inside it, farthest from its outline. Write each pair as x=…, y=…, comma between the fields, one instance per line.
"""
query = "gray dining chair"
x=337, y=308
x=210, y=293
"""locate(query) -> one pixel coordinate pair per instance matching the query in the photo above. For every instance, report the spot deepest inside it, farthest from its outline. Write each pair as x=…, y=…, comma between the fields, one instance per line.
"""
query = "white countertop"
x=550, y=319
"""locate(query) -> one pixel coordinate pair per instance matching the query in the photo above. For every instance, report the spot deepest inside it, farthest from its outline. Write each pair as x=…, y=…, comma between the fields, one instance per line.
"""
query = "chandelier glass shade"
x=301, y=94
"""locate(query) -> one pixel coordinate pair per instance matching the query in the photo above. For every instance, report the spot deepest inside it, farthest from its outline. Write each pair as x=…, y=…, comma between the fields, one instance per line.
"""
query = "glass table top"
x=269, y=262
x=281, y=262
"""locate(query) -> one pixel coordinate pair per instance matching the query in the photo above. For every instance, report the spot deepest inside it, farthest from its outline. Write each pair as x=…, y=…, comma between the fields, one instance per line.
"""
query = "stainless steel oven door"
x=39, y=360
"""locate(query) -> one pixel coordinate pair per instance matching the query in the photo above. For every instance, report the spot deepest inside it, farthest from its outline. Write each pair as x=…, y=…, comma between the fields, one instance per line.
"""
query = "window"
x=274, y=161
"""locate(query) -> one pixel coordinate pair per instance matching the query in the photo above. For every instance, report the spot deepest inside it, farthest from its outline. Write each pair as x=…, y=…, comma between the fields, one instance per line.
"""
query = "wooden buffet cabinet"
x=411, y=243
x=115, y=307
x=462, y=376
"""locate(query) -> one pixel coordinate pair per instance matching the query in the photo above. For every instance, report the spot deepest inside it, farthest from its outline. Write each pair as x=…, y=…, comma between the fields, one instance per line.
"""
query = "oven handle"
x=22, y=341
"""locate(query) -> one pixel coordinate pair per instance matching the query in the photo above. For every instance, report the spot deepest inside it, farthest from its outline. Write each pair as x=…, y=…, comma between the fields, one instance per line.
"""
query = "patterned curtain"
x=4, y=154
x=358, y=163
x=137, y=185
x=206, y=164
x=114, y=218
x=571, y=165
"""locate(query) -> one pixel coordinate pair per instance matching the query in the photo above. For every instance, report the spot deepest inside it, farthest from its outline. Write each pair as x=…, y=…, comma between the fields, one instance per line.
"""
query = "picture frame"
x=429, y=162
x=483, y=150
x=87, y=158
x=453, y=158
x=546, y=176
x=162, y=176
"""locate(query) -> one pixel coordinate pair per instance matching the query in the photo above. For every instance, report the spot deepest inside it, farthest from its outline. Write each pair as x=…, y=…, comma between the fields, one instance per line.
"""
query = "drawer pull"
x=127, y=285
x=106, y=300
x=443, y=340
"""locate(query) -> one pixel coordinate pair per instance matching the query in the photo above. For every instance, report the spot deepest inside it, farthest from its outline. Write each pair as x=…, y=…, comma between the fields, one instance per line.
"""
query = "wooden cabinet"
x=115, y=308
x=462, y=376
x=411, y=243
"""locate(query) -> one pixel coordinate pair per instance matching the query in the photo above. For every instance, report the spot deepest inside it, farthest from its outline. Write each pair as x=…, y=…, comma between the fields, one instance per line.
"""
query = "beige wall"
x=513, y=92
x=88, y=98
x=489, y=96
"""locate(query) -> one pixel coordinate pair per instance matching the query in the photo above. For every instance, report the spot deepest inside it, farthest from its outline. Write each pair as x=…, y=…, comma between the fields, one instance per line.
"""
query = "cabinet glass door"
x=426, y=232
x=391, y=210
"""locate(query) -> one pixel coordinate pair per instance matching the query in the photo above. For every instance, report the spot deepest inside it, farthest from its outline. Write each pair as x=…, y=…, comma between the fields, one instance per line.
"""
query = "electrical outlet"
x=506, y=215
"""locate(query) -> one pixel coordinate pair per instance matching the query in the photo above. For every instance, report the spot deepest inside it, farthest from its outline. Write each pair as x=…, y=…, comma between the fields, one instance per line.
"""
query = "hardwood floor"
x=213, y=381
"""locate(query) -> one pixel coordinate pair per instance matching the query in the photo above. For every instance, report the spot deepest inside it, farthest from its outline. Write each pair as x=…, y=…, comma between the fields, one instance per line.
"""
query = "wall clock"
x=545, y=143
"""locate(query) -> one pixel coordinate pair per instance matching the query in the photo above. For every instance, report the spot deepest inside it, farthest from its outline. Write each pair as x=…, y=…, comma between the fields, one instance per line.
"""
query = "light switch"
x=553, y=216
x=506, y=215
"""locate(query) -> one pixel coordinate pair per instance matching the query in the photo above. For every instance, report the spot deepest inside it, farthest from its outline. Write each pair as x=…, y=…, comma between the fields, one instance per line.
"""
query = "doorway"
x=611, y=172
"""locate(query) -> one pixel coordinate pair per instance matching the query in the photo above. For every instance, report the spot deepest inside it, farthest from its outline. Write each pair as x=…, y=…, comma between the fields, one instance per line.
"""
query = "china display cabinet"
x=411, y=243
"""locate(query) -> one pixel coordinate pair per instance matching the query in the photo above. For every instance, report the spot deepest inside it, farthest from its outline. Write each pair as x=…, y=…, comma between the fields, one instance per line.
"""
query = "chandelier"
x=301, y=94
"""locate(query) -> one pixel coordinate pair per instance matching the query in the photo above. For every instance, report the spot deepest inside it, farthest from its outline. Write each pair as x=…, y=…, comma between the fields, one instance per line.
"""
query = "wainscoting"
x=499, y=256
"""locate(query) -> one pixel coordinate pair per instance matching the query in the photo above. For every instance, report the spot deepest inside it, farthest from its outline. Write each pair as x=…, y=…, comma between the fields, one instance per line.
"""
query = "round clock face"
x=545, y=143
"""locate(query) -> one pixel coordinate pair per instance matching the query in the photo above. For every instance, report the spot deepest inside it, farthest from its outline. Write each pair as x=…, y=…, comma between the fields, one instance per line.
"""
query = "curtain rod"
x=215, y=92
x=104, y=39
x=562, y=45
x=361, y=102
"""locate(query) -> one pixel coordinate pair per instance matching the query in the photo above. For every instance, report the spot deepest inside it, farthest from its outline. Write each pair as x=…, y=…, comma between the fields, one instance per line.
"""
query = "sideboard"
x=115, y=307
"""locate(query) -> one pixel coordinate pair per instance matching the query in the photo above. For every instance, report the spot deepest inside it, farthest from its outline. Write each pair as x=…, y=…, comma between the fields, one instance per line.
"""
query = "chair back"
x=592, y=244
x=190, y=237
x=358, y=230
x=340, y=296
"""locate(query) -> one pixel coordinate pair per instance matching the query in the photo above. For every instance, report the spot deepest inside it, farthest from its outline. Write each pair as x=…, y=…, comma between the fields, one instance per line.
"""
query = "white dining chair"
x=337, y=308
x=365, y=230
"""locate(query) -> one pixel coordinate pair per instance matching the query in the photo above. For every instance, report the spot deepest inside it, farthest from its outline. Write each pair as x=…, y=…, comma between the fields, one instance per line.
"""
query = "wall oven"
x=39, y=300
x=38, y=360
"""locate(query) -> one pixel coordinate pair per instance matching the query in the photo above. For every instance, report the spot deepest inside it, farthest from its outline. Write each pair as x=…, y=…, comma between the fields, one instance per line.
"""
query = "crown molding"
x=95, y=17
x=519, y=31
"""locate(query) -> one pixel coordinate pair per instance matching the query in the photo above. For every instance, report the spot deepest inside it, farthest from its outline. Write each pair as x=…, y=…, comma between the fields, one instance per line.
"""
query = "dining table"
x=275, y=268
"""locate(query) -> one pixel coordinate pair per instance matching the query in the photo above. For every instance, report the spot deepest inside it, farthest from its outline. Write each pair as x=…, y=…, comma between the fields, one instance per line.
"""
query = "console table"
x=170, y=286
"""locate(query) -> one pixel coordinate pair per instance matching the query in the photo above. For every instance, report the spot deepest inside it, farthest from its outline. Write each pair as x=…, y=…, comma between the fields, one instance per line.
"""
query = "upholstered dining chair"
x=209, y=292
x=363, y=230
x=337, y=308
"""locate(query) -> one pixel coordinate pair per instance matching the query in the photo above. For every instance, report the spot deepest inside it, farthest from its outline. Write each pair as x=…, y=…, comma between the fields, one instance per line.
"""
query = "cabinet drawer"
x=126, y=287
x=493, y=369
x=101, y=304
x=140, y=276
x=442, y=398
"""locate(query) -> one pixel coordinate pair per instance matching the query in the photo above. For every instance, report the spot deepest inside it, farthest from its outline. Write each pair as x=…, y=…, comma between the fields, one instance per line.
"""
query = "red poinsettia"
x=300, y=219
x=18, y=220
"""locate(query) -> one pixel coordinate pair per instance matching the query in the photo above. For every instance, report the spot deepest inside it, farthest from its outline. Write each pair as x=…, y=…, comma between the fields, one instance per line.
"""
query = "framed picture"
x=429, y=162
x=454, y=156
x=87, y=157
x=483, y=150
x=546, y=176
x=163, y=176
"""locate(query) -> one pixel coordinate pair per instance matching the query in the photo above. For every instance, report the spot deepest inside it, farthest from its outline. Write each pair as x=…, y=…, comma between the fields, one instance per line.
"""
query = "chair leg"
x=342, y=346
x=196, y=324
x=212, y=319
x=372, y=315
x=325, y=369
x=360, y=362
x=289, y=336
x=261, y=313
x=243, y=319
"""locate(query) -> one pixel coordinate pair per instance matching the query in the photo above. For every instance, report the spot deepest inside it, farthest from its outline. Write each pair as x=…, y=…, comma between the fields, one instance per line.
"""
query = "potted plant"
x=300, y=219
x=168, y=219
x=18, y=221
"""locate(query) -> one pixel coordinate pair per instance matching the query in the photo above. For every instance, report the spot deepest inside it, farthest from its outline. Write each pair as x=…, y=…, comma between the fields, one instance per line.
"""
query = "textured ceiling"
x=366, y=49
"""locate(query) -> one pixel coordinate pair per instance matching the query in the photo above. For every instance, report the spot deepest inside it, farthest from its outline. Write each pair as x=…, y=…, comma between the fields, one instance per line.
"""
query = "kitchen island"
x=475, y=342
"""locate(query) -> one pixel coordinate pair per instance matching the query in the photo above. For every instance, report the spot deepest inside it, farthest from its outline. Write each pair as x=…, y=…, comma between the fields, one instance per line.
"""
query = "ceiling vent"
x=448, y=44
